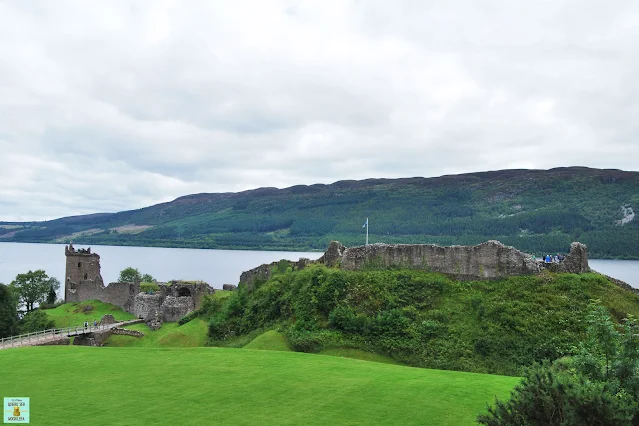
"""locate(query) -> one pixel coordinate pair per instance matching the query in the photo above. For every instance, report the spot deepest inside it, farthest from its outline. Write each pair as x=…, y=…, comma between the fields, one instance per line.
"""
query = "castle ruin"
x=84, y=282
x=486, y=261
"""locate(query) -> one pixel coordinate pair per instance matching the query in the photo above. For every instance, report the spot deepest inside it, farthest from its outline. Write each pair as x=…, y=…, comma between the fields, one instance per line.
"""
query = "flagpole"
x=366, y=231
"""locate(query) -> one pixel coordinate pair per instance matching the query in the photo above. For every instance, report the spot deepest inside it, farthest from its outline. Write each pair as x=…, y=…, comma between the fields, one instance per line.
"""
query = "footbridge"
x=56, y=335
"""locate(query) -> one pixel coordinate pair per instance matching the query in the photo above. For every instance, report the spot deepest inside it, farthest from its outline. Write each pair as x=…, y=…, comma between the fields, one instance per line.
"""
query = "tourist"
x=86, y=325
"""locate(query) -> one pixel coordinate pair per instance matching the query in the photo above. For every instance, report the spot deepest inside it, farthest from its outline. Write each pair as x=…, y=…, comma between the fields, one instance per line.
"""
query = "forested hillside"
x=534, y=210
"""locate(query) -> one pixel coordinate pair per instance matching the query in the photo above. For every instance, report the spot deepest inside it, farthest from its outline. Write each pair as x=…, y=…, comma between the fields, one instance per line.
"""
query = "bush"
x=549, y=396
x=148, y=287
x=35, y=320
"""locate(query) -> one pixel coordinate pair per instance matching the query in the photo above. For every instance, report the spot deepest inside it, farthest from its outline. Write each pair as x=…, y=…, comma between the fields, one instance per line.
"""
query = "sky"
x=117, y=105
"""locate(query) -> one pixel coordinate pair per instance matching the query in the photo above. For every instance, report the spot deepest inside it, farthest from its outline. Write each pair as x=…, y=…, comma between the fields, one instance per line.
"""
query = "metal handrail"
x=13, y=341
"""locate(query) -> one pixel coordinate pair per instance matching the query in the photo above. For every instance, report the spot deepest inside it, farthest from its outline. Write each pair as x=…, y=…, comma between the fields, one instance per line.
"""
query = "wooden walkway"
x=48, y=337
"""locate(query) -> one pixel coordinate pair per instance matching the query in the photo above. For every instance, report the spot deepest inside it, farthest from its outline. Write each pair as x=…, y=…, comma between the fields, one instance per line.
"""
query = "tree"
x=51, y=295
x=130, y=275
x=599, y=385
x=148, y=278
x=34, y=286
x=8, y=311
x=35, y=320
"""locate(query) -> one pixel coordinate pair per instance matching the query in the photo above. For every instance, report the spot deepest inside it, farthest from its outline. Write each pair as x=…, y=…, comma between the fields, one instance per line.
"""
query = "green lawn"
x=191, y=334
x=189, y=386
x=71, y=314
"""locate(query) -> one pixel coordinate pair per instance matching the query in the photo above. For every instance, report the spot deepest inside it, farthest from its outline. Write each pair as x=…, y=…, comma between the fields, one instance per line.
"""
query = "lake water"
x=215, y=267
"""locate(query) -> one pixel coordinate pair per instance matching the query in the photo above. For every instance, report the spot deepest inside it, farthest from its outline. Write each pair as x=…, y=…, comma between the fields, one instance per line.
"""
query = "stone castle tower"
x=83, y=271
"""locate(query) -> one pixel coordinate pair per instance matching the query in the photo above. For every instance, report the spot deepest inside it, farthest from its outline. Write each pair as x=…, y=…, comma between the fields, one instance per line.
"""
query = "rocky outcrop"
x=488, y=260
x=229, y=287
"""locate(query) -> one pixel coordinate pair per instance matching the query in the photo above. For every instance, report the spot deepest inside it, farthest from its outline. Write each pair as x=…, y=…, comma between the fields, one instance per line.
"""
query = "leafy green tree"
x=35, y=320
x=34, y=286
x=147, y=278
x=8, y=311
x=130, y=275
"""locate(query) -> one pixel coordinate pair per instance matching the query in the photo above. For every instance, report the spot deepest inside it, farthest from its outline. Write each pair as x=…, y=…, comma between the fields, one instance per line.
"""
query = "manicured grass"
x=272, y=340
x=358, y=354
x=71, y=314
x=126, y=386
x=191, y=334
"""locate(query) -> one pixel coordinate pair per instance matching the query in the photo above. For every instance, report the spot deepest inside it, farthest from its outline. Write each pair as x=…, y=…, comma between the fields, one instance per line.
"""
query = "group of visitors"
x=549, y=258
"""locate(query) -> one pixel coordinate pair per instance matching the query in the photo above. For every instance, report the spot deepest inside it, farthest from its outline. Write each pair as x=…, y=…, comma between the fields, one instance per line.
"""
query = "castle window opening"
x=184, y=292
x=79, y=264
x=86, y=275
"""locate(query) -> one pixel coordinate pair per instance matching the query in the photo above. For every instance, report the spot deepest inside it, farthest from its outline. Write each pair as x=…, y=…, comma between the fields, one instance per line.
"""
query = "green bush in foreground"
x=599, y=386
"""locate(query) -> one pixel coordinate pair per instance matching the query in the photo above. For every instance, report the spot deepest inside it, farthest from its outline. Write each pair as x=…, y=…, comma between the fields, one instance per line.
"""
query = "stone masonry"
x=84, y=282
x=486, y=261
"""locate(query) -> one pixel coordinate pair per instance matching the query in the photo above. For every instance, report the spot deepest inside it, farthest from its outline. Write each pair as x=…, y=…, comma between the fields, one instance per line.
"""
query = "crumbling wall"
x=263, y=272
x=576, y=261
x=488, y=260
x=84, y=282
x=147, y=305
x=82, y=276
x=175, y=308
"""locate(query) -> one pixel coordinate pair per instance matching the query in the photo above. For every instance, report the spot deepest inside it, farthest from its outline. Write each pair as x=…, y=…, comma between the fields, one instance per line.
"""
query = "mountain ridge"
x=532, y=209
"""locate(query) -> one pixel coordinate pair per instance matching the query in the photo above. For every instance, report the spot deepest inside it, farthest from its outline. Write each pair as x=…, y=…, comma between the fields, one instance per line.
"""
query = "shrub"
x=148, y=287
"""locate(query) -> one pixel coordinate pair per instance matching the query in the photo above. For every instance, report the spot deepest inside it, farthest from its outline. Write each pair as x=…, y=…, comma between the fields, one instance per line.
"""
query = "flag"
x=365, y=223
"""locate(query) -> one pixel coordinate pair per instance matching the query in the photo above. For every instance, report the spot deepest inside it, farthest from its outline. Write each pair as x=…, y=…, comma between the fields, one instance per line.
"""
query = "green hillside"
x=203, y=386
x=72, y=314
x=423, y=319
x=536, y=211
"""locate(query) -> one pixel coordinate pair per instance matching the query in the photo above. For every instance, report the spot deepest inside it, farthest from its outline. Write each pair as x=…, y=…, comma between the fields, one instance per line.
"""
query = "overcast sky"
x=115, y=105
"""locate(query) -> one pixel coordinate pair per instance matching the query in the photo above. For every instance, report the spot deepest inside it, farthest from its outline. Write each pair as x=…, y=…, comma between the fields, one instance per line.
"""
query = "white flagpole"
x=366, y=231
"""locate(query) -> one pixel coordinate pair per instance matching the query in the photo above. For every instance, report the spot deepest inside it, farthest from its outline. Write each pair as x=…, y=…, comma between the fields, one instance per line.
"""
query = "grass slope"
x=272, y=340
x=72, y=314
x=115, y=386
x=358, y=354
x=191, y=334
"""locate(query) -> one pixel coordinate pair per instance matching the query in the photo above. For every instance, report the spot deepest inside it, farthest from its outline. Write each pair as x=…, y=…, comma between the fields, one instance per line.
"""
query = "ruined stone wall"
x=173, y=308
x=147, y=305
x=488, y=260
x=84, y=282
x=263, y=272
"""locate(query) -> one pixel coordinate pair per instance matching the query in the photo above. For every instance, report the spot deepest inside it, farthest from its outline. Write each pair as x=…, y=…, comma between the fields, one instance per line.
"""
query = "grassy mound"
x=72, y=314
x=272, y=340
x=422, y=319
x=358, y=354
x=116, y=386
x=191, y=334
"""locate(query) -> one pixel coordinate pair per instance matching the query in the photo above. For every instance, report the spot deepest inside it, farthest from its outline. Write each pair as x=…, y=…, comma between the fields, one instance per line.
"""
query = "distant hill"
x=534, y=210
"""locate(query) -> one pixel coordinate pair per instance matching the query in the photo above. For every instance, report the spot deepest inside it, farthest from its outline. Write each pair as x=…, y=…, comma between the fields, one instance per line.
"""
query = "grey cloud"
x=122, y=104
